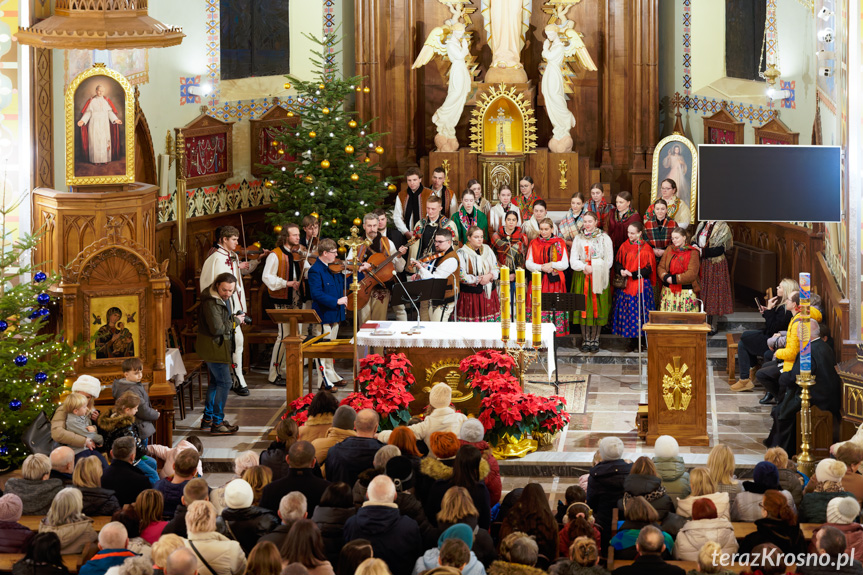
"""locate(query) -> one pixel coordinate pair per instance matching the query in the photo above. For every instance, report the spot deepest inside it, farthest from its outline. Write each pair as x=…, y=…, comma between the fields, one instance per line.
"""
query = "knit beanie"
x=842, y=510
x=87, y=384
x=239, y=494
x=830, y=470
x=11, y=508
x=610, y=448
x=444, y=444
x=457, y=531
x=766, y=475
x=666, y=446
x=703, y=508
x=440, y=395
x=472, y=431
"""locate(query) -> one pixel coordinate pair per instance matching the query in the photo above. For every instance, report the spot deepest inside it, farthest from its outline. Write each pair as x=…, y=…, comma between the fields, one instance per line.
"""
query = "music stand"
x=419, y=291
x=560, y=302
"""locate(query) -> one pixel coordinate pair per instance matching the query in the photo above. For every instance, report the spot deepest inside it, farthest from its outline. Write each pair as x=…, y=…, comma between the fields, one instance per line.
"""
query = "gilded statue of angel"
x=561, y=42
x=448, y=41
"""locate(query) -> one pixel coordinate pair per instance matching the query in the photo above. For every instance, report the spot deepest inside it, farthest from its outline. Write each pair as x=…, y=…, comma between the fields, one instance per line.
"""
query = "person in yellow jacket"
x=792, y=342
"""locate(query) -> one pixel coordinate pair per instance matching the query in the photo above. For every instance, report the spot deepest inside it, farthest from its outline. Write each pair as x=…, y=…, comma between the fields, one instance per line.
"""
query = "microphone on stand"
x=417, y=327
x=702, y=304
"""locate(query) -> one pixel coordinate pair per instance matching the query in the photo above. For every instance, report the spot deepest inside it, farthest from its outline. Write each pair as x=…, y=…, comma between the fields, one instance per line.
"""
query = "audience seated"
x=394, y=538
x=573, y=494
x=162, y=550
x=789, y=479
x=14, y=537
x=65, y=518
x=720, y=463
x=122, y=476
x=578, y=522
x=584, y=559
x=471, y=433
x=276, y=455
x=401, y=470
x=469, y=471
x=129, y=518
x=150, y=506
x=264, y=559
x=704, y=527
x=605, y=484
x=438, y=464
x=350, y=457
x=518, y=556
x=403, y=438
x=448, y=555
x=638, y=515
x=703, y=487
x=247, y=522
x=644, y=481
x=300, y=477
x=371, y=566
x=320, y=420
x=830, y=542
x=532, y=515
x=651, y=544
x=35, y=487
x=747, y=505
x=331, y=514
x=353, y=554
x=87, y=477
x=670, y=468
x=442, y=418
x=828, y=474
x=842, y=513
x=774, y=568
x=343, y=427
x=217, y=555
x=708, y=563
x=195, y=490
x=851, y=454
x=304, y=546
x=777, y=525
x=113, y=550
x=379, y=463
x=258, y=477
x=171, y=488
x=169, y=454
x=458, y=507
x=62, y=464
x=42, y=557
x=292, y=507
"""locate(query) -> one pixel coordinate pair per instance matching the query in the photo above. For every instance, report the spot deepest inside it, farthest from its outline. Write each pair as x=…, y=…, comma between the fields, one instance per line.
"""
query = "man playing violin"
x=376, y=309
x=398, y=239
x=327, y=290
x=427, y=227
x=309, y=240
x=283, y=275
x=224, y=259
x=443, y=264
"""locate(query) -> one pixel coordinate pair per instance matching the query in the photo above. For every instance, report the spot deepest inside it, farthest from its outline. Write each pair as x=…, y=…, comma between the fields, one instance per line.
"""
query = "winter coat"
x=275, y=457
x=431, y=471
x=302, y=480
x=787, y=537
x=747, y=505
x=572, y=568
x=215, y=340
x=674, y=476
x=126, y=480
x=394, y=538
x=604, y=490
x=694, y=534
x=104, y=560
x=14, y=537
x=492, y=480
x=172, y=495
x=316, y=427
x=223, y=555
x=789, y=480
x=625, y=539
x=146, y=415
x=720, y=500
x=441, y=419
x=410, y=506
x=483, y=545
x=323, y=445
x=249, y=524
x=113, y=426
x=177, y=525
x=347, y=459
x=98, y=501
x=73, y=536
x=650, y=487
x=564, y=541
x=853, y=533
x=63, y=436
x=479, y=493
x=361, y=486
x=35, y=494
x=813, y=508
x=28, y=567
x=506, y=568
x=429, y=560
x=331, y=521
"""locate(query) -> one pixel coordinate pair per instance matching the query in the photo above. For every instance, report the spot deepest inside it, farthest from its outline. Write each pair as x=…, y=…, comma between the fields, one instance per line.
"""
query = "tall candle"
x=536, y=316
x=805, y=347
x=520, y=306
x=504, y=303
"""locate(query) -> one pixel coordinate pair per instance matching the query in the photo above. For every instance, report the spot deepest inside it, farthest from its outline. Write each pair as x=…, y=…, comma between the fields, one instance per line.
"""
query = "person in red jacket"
x=471, y=433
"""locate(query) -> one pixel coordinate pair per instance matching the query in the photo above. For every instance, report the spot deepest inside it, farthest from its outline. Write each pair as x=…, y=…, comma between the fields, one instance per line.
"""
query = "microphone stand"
x=642, y=383
x=417, y=327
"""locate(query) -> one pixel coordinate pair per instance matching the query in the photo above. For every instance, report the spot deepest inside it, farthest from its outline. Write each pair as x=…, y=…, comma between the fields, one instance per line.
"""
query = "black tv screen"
x=769, y=183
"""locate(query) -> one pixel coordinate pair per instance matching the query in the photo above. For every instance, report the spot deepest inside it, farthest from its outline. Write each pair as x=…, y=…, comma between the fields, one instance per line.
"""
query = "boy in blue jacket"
x=327, y=290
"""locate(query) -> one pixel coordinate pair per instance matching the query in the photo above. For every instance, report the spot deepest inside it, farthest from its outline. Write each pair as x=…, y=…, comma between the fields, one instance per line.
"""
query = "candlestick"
x=520, y=306
x=805, y=346
x=504, y=303
x=536, y=316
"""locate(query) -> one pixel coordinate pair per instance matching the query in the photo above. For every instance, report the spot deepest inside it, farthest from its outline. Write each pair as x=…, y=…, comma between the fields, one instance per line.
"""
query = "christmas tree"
x=33, y=363
x=334, y=152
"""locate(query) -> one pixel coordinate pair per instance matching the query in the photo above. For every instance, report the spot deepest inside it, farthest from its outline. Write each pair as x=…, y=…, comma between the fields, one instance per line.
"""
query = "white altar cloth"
x=458, y=334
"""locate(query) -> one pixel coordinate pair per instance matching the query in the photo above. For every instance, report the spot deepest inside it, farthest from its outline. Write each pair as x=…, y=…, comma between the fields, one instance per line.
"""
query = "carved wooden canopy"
x=722, y=128
x=776, y=132
x=209, y=150
x=264, y=150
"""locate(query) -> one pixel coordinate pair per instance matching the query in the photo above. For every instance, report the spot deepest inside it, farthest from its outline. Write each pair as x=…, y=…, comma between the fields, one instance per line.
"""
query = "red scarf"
x=679, y=264
x=503, y=248
x=548, y=251
x=628, y=255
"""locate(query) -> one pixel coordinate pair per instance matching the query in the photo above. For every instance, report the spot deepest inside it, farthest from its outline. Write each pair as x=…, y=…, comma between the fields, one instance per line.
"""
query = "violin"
x=339, y=266
x=412, y=269
x=252, y=252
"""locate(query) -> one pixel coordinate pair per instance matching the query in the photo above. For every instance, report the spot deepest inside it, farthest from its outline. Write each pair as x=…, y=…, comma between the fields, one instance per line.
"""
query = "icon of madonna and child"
x=114, y=339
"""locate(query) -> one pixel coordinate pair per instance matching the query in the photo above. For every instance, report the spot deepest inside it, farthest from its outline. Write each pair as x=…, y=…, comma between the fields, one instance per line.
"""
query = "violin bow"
x=245, y=247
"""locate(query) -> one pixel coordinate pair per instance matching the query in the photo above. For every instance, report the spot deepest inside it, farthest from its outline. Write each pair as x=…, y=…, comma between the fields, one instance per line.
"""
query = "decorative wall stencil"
x=788, y=102
x=207, y=201
x=186, y=97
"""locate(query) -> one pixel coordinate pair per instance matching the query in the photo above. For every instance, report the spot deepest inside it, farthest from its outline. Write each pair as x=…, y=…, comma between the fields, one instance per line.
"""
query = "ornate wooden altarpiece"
x=118, y=272
x=209, y=150
x=722, y=128
x=264, y=149
x=776, y=132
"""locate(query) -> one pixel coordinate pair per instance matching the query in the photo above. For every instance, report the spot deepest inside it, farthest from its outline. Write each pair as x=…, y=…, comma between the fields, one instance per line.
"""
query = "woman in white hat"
x=89, y=387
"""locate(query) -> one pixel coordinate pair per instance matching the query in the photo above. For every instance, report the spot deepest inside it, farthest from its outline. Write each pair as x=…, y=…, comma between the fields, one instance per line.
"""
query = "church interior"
x=331, y=164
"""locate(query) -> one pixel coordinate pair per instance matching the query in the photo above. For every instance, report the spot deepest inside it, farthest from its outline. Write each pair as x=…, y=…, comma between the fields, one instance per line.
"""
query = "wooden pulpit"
x=293, y=346
x=677, y=377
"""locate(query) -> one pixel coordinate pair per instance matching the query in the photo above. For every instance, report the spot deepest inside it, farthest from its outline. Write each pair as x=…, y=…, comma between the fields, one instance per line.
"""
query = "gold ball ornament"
x=277, y=229
x=354, y=177
x=287, y=85
x=321, y=86
x=359, y=88
x=281, y=151
x=391, y=187
x=357, y=221
x=342, y=250
x=325, y=164
x=349, y=149
x=309, y=179
x=367, y=159
x=257, y=245
x=379, y=150
x=366, y=90
x=334, y=220
x=352, y=124
x=290, y=114
x=314, y=215
x=313, y=134
x=326, y=110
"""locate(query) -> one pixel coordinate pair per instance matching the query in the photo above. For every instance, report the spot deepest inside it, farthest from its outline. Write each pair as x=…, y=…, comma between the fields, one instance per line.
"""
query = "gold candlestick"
x=520, y=306
x=504, y=304
x=353, y=243
x=536, y=315
x=805, y=461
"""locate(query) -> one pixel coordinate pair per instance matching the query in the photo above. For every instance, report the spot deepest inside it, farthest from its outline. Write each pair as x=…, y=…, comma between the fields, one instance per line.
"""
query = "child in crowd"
x=169, y=454
x=133, y=372
x=120, y=422
x=78, y=419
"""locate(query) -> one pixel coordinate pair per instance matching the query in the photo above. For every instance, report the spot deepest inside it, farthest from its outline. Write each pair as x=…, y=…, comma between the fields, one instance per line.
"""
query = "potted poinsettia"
x=298, y=410
x=486, y=362
x=494, y=382
x=358, y=401
x=386, y=381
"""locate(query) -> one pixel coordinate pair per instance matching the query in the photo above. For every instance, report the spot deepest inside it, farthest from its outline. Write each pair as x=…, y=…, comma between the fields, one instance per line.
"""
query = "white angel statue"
x=554, y=50
x=456, y=49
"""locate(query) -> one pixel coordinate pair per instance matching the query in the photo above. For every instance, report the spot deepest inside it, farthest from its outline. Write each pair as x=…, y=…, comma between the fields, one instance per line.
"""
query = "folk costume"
x=464, y=221
x=636, y=257
x=446, y=197
x=425, y=230
x=511, y=249
x=379, y=302
x=618, y=225
x=714, y=239
x=658, y=233
x=525, y=204
x=325, y=289
x=477, y=302
x=497, y=215
x=593, y=249
x=677, y=211
x=280, y=268
x=410, y=207
x=443, y=267
x=484, y=206
x=680, y=266
x=553, y=251
x=571, y=224
x=602, y=209
x=531, y=229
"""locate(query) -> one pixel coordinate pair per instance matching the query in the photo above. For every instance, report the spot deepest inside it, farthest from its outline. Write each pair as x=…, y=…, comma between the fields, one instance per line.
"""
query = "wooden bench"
x=7, y=560
x=32, y=521
x=337, y=349
x=690, y=565
x=731, y=341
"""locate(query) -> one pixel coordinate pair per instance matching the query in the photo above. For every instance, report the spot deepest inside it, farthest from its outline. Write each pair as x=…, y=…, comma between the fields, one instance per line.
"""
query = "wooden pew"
x=741, y=529
x=32, y=521
x=689, y=565
x=7, y=560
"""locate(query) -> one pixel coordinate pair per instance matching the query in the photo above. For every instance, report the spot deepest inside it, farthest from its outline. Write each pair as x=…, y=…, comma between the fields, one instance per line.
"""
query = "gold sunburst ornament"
x=517, y=115
x=677, y=387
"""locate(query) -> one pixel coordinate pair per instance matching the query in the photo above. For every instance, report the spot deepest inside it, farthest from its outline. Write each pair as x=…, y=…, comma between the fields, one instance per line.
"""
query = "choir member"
x=478, y=299
x=678, y=274
x=571, y=224
x=526, y=197
x=468, y=215
x=531, y=226
x=591, y=257
x=599, y=206
x=547, y=254
x=713, y=240
x=677, y=208
x=444, y=266
x=636, y=263
x=500, y=210
x=620, y=219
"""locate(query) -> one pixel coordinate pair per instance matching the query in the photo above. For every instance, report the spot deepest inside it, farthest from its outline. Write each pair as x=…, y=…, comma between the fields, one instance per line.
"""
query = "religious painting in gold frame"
x=502, y=123
x=676, y=157
x=100, y=137
x=115, y=324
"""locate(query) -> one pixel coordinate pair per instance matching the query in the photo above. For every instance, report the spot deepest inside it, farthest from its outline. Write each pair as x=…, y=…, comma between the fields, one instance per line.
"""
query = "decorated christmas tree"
x=33, y=363
x=333, y=151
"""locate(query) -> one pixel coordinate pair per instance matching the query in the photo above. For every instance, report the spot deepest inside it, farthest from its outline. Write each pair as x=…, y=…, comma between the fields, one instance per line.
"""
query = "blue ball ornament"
x=44, y=312
x=20, y=360
x=40, y=277
x=43, y=299
x=34, y=315
x=15, y=404
x=41, y=377
x=3, y=325
x=4, y=451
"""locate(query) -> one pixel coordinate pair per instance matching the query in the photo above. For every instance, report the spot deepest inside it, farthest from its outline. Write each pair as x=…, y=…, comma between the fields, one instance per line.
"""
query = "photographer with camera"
x=217, y=326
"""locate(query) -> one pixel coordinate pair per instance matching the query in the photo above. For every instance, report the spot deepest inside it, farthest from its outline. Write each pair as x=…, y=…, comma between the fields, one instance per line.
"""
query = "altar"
x=436, y=351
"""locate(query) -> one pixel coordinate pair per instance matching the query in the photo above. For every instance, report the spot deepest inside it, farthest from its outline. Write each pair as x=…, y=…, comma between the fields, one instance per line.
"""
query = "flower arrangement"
x=385, y=384
x=486, y=362
x=299, y=409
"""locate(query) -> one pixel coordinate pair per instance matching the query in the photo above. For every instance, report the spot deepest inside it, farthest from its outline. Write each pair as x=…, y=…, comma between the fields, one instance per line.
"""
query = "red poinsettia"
x=358, y=401
x=494, y=382
x=385, y=382
x=487, y=362
x=298, y=410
